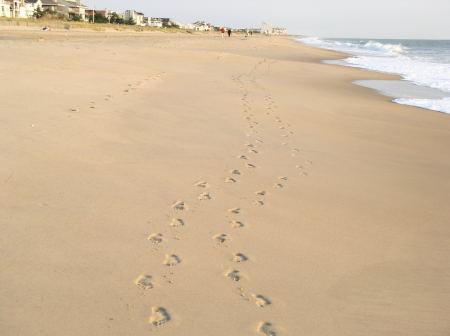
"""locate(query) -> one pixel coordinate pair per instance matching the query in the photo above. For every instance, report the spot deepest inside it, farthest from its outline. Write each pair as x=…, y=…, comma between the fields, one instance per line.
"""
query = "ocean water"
x=423, y=62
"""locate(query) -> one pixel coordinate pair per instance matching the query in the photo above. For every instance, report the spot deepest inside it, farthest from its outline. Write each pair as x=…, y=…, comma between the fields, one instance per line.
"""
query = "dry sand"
x=322, y=208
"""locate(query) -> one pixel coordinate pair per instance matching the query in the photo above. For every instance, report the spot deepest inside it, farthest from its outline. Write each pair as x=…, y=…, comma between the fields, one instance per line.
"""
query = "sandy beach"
x=183, y=184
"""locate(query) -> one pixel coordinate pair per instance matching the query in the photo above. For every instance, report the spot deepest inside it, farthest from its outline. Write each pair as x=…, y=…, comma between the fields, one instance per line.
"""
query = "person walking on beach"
x=222, y=30
x=229, y=32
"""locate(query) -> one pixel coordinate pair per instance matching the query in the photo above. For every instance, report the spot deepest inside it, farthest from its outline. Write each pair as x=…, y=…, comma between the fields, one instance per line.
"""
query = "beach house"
x=153, y=22
x=202, y=26
x=102, y=12
x=280, y=31
x=266, y=28
x=269, y=29
x=68, y=8
x=137, y=17
x=13, y=8
x=5, y=9
x=31, y=6
x=163, y=22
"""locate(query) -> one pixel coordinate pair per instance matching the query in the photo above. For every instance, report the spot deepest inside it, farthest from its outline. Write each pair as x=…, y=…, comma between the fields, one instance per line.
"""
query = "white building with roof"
x=137, y=17
x=31, y=6
x=154, y=22
x=5, y=9
x=66, y=7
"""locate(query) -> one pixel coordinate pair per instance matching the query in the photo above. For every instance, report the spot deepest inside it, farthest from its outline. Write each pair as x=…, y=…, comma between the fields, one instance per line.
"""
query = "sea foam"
x=395, y=59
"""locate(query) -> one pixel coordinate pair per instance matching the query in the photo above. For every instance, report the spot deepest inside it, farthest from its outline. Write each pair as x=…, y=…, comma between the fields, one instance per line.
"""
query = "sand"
x=183, y=184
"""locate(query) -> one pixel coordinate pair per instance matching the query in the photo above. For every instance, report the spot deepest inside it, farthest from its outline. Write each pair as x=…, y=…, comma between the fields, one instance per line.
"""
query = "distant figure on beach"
x=229, y=32
x=222, y=30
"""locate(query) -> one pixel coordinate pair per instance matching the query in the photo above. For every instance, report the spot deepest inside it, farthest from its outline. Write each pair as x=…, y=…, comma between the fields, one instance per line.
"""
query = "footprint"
x=156, y=238
x=235, y=210
x=251, y=145
x=159, y=316
x=235, y=172
x=171, y=260
x=179, y=205
x=204, y=197
x=278, y=185
x=202, y=184
x=266, y=328
x=261, y=193
x=220, y=238
x=254, y=151
x=284, y=178
x=144, y=282
x=243, y=157
x=258, y=202
x=249, y=165
x=75, y=109
x=177, y=222
x=230, y=180
x=233, y=275
x=239, y=257
x=236, y=224
x=261, y=301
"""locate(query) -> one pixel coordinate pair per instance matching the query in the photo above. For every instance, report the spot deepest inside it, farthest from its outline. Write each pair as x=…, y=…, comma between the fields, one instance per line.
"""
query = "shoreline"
x=187, y=184
x=395, y=89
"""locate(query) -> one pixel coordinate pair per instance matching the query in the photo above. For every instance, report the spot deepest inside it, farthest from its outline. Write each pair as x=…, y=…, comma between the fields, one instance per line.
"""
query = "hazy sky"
x=324, y=18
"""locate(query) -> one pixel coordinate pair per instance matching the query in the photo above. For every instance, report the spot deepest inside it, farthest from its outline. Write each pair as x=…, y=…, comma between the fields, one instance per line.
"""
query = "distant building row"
x=74, y=8
x=26, y=8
